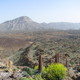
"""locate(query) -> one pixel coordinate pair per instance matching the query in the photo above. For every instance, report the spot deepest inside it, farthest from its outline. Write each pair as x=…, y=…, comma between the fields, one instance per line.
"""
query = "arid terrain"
x=23, y=49
x=61, y=41
x=39, y=39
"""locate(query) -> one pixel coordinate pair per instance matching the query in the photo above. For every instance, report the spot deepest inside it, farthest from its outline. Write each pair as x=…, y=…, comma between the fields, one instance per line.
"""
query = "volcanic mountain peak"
x=22, y=23
x=24, y=18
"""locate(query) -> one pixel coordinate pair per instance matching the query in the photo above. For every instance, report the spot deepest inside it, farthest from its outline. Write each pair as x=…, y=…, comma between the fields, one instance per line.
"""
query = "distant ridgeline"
x=24, y=23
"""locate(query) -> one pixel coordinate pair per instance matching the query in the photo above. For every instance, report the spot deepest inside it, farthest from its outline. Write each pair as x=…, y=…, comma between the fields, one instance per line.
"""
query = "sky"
x=41, y=10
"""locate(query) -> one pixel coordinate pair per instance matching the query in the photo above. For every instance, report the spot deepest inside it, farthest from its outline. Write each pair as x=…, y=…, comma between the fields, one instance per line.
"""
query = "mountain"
x=64, y=25
x=24, y=23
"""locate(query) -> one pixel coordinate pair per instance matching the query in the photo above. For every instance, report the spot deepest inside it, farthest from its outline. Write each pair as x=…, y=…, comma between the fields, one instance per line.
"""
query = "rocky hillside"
x=29, y=56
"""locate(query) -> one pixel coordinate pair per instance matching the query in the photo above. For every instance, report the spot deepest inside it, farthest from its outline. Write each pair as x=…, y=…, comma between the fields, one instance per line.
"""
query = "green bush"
x=25, y=74
x=30, y=71
x=24, y=78
x=38, y=77
x=43, y=68
x=56, y=71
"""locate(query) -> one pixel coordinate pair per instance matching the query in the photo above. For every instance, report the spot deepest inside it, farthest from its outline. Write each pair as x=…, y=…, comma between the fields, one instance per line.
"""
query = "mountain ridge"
x=24, y=23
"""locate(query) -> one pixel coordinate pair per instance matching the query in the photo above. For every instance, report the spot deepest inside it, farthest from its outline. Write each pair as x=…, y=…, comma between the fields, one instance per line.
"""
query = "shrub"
x=56, y=71
x=30, y=71
x=43, y=68
x=24, y=78
x=38, y=77
x=25, y=74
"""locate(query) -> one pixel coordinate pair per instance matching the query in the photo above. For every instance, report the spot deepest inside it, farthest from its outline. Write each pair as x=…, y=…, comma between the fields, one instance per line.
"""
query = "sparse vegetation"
x=47, y=45
x=30, y=71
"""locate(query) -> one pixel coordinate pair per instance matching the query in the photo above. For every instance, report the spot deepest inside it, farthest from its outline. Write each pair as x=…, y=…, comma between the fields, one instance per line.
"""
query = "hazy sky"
x=41, y=10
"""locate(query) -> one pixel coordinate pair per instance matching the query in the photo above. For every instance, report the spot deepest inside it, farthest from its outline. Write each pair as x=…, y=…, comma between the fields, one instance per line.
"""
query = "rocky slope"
x=29, y=56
